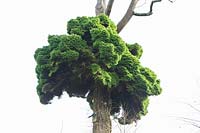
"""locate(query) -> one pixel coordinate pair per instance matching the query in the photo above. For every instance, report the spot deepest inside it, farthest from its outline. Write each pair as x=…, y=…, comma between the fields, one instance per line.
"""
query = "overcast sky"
x=171, y=43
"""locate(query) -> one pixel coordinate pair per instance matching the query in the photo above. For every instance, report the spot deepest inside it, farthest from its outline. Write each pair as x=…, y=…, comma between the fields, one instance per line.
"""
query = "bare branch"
x=150, y=11
x=130, y=12
x=196, y=109
x=192, y=123
x=188, y=119
x=195, y=125
x=100, y=7
x=109, y=7
x=127, y=16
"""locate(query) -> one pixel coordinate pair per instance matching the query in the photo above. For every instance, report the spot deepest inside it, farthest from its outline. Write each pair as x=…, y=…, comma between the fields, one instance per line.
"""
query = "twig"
x=192, y=123
x=150, y=11
x=130, y=12
x=196, y=109
x=61, y=130
x=189, y=119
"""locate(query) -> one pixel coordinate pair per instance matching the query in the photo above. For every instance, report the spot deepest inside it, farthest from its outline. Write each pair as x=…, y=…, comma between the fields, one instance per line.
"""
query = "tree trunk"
x=101, y=118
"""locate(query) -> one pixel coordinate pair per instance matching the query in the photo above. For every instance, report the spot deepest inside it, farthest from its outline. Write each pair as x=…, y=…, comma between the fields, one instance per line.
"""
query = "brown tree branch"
x=150, y=11
x=100, y=7
x=127, y=16
x=130, y=12
x=109, y=7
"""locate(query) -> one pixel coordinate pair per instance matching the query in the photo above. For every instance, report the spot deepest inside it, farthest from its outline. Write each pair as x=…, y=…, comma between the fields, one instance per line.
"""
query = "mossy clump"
x=93, y=54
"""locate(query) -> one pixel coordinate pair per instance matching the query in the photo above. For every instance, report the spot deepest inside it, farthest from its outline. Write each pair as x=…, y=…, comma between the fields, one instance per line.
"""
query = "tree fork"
x=103, y=7
x=130, y=12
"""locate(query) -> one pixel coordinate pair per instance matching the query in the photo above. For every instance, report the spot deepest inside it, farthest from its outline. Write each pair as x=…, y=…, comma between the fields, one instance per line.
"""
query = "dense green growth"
x=93, y=54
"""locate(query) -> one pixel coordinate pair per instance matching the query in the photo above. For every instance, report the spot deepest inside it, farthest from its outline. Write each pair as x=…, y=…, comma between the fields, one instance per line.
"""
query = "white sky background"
x=170, y=39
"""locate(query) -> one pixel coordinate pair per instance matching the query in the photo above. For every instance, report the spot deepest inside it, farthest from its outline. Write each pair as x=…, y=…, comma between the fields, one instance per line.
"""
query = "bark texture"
x=109, y=7
x=127, y=16
x=101, y=118
x=100, y=7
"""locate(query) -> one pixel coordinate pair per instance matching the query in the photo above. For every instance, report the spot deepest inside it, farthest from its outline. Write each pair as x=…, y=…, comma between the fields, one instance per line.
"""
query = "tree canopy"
x=92, y=55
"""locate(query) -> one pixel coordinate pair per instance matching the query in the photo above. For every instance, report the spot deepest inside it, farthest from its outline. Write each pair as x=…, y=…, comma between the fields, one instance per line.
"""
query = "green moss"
x=93, y=54
x=95, y=68
x=135, y=50
x=99, y=34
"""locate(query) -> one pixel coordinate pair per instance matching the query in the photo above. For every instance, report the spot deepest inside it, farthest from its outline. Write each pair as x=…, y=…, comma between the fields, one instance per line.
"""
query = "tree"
x=94, y=63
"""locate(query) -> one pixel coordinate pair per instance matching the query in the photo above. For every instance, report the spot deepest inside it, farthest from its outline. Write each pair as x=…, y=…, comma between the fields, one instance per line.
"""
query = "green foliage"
x=93, y=54
x=102, y=77
x=135, y=50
